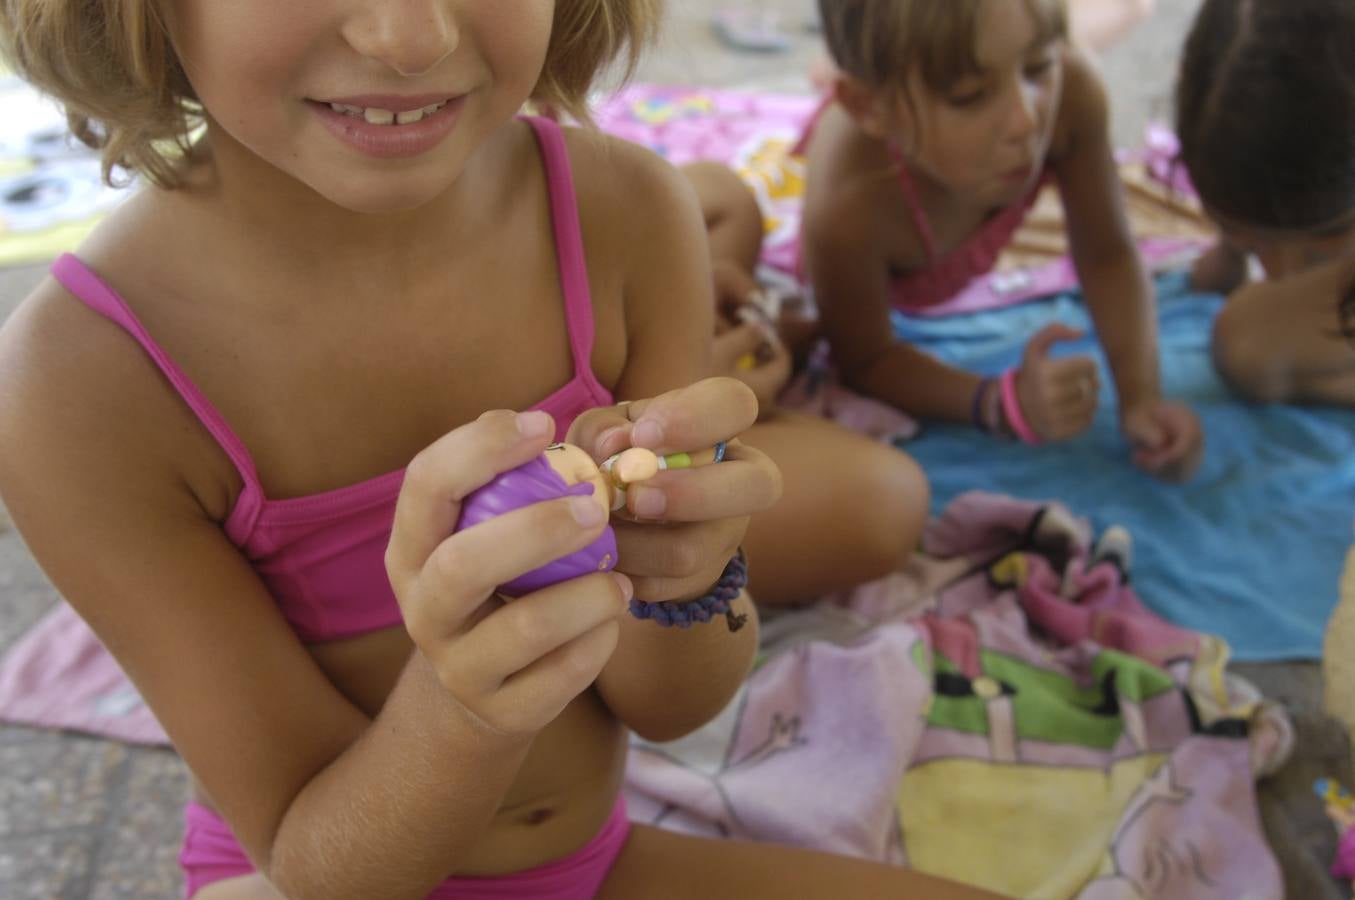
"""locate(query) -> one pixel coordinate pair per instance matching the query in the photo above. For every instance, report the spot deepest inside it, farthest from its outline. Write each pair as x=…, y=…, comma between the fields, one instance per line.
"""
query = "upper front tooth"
x=378, y=116
x=431, y=108
x=409, y=117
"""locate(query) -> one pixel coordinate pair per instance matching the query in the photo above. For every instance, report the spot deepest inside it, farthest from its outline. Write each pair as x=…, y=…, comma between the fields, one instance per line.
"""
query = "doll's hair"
x=111, y=64
x=1265, y=109
x=534, y=482
x=879, y=42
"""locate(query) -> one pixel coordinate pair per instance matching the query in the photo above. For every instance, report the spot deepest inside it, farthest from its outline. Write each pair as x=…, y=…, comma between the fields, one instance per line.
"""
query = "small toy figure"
x=1341, y=810
x=565, y=470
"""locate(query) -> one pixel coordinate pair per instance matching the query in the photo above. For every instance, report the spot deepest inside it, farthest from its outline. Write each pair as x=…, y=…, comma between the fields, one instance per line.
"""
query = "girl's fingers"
x=735, y=344
x=537, y=694
x=465, y=568
x=746, y=482
x=667, y=562
x=678, y=551
x=1079, y=390
x=440, y=477
x=526, y=630
x=699, y=415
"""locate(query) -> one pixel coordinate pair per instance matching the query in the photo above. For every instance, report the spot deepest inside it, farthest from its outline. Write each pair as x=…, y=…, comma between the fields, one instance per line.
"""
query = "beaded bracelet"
x=716, y=602
x=976, y=409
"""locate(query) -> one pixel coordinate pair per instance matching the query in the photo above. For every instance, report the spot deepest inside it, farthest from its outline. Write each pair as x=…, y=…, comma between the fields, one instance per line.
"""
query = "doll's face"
x=576, y=467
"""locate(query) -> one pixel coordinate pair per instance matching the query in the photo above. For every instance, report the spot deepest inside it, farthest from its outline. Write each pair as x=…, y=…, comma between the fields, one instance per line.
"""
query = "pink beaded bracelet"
x=1011, y=409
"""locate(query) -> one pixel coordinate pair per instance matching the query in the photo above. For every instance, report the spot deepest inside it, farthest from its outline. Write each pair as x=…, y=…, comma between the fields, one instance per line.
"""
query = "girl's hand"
x=517, y=665
x=734, y=286
x=1058, y=396
x=1166, y=437
x=753, y=353
x=747, y=346
x=690, y=521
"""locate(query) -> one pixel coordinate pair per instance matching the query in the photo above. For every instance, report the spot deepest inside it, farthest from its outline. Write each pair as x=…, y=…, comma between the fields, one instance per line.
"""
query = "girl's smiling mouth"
x=389, y=127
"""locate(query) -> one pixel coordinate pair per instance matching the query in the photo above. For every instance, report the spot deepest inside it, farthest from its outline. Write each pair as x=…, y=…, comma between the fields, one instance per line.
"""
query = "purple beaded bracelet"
x=716, y=602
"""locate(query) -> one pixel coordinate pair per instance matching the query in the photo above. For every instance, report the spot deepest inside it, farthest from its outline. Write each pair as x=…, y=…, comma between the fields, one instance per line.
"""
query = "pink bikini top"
x=945, y=277
x=322, y=556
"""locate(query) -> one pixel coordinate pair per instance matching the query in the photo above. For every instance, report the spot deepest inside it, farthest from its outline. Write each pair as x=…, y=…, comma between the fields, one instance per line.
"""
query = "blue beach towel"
x=1250, y=550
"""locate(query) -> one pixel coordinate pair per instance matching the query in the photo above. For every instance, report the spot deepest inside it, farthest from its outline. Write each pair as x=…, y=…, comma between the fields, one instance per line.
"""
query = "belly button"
x=538, y=817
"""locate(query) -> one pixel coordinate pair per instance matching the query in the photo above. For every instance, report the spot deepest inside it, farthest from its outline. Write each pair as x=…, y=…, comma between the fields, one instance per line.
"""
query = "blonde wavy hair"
x=111, y=63
x=879, y=42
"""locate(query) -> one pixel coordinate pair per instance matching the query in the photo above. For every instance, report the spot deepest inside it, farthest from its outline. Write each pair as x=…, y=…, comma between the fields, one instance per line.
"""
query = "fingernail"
x=647, y=433
x=612, y=441
x=586, y=511
x=627, y=589
x=649, y=503
x=533, y=424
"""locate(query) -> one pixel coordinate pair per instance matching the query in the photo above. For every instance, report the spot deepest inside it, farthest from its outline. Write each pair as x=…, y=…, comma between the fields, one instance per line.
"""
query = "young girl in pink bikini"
x=239, y=428
x=945, y=120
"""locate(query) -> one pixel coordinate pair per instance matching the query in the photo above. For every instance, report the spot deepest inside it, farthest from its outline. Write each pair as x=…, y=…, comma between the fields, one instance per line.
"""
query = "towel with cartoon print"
x=1007, y=714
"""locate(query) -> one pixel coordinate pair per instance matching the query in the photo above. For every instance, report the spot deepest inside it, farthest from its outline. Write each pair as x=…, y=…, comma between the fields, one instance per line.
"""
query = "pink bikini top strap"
x=914, y=200
x=569, y=249
x=95, y=293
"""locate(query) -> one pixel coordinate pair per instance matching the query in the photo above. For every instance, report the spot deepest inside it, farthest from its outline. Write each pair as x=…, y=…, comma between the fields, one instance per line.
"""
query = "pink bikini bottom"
x=210, y=854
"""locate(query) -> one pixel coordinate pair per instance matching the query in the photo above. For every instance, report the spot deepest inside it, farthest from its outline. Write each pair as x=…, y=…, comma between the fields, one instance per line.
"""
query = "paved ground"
x=83, y=818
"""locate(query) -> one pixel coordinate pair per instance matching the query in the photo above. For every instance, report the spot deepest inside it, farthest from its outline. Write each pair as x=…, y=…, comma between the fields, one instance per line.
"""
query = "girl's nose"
x=1023, y=119
x=410, y=36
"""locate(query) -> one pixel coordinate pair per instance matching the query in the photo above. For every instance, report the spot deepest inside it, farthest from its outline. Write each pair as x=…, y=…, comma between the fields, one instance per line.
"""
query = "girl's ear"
x=876, y=111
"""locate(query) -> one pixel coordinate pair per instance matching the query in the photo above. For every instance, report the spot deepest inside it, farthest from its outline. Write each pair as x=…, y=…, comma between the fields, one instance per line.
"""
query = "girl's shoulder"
x=81, y=396
x=851, y=181
x=632, y=203
x=629, y=182
x=1084, y=106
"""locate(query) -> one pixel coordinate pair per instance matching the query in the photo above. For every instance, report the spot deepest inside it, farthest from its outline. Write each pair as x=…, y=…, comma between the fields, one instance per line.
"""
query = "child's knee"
x=1247, y=358
x=894, y=497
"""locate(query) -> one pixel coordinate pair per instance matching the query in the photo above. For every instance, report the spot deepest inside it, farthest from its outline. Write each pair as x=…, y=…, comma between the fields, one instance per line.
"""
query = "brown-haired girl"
x=947, y=118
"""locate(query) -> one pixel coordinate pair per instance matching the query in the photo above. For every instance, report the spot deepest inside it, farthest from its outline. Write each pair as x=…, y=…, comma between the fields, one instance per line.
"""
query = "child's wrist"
x=715, y=603
x=986, y=409
x=1012, y=413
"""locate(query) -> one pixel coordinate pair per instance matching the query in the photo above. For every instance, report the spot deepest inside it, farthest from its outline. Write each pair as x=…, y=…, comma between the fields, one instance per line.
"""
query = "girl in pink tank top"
x=239, y=427
x=945, y=120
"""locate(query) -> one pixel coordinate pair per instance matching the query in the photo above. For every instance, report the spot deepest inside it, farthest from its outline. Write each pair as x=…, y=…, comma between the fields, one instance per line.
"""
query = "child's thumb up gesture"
x=1058, y=396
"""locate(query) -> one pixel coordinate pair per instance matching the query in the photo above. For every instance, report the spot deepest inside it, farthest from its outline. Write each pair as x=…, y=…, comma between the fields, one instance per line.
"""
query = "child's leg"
x=852, y=510
x=247, y=887
x=659, y=865
x=1278, y=342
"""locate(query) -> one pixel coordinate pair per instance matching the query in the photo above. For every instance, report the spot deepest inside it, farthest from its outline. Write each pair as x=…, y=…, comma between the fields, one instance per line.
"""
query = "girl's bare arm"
x=664, y=682
x=326, y=802
x=849, y=270
x=1118, y=291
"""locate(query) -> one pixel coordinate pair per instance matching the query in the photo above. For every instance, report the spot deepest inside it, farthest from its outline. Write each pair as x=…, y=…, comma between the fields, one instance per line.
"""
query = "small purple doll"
x=563, y=470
